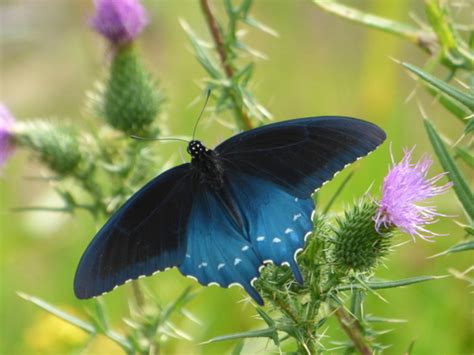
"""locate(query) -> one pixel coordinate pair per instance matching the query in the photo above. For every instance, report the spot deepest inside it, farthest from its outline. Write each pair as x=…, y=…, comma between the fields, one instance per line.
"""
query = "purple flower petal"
x=120, y=21
x=405, y=186
x=6, y=126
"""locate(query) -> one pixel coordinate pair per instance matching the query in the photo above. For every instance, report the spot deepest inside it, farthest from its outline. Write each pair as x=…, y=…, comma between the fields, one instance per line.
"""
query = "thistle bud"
x=358, y=246
x=131, y=100
x=57, y=147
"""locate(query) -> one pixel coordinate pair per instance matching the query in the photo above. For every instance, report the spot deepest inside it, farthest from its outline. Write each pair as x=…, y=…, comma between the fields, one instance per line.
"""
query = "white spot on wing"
x=220, y=266
x=261, y=238
x=244, y=248
x=188, y=256
x=202, y=265
x=296, y=216
x=276, y=240
x=296, y=199
x=237, y=261
x=288, y=230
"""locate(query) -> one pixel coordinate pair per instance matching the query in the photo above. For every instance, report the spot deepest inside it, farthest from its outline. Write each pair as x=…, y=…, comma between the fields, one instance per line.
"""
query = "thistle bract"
x=358, y=246
x=405, y=187
x=57, y=147
x=120, y=21
x=6, y=136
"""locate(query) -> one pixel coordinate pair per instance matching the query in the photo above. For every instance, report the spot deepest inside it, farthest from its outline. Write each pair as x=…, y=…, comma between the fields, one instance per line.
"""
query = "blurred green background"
x=318, y=65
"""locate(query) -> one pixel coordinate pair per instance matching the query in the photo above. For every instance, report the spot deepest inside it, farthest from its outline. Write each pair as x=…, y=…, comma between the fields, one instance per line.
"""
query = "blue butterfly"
x=230, y=210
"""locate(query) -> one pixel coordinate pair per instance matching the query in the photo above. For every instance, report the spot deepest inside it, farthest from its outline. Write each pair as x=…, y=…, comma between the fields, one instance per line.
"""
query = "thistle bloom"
x=405, y=186
x=6, y=136
x=120, y=21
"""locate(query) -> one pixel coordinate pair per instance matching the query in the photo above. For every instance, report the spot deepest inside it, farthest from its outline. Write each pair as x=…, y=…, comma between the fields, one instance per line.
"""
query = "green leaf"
x=377, y=285
x=87, y=327
x=238, y=348
x=456, y=94
x=465, y=155
x=270, y=322
x=261, y=333
x=453, y=106
x=470, y=126
x=469, y=245
x=206, y=61
x=460, y=185
x=425, y=39
x=372, y=319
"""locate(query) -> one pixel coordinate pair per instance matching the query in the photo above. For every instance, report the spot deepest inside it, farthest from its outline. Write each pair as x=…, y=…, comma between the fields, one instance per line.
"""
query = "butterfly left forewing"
x=146, y=235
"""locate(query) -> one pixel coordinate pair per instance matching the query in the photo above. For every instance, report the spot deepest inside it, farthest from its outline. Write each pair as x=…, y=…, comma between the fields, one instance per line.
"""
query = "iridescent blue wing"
x=232, y=232
x=300, y=155
x=145, y=235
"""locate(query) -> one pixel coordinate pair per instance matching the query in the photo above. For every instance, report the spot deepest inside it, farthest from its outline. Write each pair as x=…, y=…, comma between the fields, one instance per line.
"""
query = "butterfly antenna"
x=138, y=138
x=202, y=111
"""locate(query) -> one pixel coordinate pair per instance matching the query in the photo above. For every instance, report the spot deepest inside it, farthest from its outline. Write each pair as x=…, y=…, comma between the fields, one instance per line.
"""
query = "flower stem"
x=351, y=327
x=242, y=118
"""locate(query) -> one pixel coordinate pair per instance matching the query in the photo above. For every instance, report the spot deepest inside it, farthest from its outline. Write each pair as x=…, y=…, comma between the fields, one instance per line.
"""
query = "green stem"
x=242, y=118
x=352, y=328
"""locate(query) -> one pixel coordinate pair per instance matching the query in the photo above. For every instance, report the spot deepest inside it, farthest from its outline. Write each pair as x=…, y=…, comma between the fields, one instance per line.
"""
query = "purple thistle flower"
x=406, y=185
x=120, y=21
x=6, y=136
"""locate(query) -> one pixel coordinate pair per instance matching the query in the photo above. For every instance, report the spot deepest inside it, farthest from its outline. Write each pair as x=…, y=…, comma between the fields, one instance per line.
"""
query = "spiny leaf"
x=470, y=126
x=465, y=155
x=261, y=333
x=450, y=104
x=460, y=185
x=456, y=94
x=377, y=285
x=469, y=245
x=87, y=327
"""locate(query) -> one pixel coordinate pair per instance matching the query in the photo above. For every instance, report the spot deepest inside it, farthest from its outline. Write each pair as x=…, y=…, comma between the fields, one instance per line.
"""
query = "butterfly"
x=232, y=209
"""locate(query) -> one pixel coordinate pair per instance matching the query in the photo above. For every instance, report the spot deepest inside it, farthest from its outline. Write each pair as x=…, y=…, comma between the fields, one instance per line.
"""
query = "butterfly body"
x=230, y=210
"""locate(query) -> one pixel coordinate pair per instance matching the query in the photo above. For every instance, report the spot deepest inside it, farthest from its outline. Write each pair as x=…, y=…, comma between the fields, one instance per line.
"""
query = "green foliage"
x=341, y=255
x=229, y=78
x=131, y=99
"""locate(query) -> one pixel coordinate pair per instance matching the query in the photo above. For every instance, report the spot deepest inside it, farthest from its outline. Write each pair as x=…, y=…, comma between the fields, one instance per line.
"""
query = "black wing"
x=300, y=155
x=146, y=235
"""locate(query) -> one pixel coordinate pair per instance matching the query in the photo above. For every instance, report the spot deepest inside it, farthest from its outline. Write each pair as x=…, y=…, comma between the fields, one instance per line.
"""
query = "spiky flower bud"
x=57, y=147
x=358, y=246
x=131, y=100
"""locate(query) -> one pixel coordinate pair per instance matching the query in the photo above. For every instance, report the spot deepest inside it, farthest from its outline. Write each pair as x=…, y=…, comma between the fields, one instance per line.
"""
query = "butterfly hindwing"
x=277, y=221
x=217, y=251
x=230, y=239
x=301, y=154
x=145, y=235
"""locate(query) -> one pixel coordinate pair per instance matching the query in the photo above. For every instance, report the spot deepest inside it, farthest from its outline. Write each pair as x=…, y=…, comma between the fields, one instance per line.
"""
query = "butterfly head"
x=196, y=148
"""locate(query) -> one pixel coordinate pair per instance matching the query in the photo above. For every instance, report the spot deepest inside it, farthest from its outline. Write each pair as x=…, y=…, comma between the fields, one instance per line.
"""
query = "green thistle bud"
x=57, y=147
x=358, y=246
x=131, y=100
